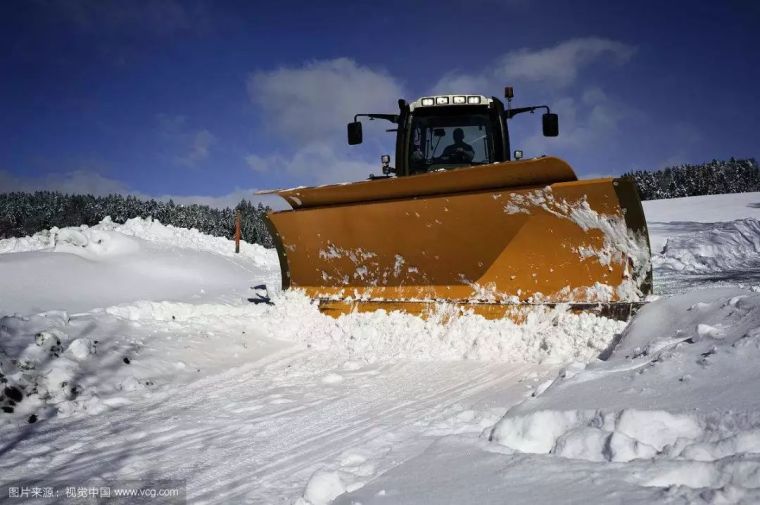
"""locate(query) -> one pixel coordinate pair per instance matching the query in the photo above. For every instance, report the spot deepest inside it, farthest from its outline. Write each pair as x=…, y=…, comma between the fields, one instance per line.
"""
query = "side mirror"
x=439, y=132
x=550, y=123
x=354, y=133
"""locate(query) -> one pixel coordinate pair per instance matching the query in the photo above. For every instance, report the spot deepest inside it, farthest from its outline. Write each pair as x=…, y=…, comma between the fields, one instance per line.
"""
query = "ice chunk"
x=323, y=487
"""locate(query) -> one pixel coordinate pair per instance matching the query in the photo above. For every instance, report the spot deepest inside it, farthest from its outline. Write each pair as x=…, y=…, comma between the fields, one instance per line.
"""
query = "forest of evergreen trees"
x=27, y=213
x=24, y=214
x=711, y=178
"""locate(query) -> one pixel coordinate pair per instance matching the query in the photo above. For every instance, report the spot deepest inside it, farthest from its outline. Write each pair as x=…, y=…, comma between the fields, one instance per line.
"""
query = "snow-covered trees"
x=252, y=227
x=27, y=213
x=714, y=177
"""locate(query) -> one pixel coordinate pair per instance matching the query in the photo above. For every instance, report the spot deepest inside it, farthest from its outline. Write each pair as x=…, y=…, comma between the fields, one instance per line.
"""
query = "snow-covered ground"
x=705, y=241
x=131, y=352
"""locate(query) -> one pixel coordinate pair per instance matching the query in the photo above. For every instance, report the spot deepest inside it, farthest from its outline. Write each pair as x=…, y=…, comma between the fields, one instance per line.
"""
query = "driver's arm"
x=448, y=151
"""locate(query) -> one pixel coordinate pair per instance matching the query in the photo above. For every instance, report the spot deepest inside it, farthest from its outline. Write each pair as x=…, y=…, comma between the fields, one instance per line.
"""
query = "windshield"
x=443, y=142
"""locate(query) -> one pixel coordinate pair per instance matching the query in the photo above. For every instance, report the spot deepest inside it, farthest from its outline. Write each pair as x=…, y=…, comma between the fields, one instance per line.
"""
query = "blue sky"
x=207, y=101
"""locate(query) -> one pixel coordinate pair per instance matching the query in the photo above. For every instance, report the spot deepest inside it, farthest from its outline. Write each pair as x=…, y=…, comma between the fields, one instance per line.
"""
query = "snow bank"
x=695, y=450
x=78, y=269
x=679, y=391
x=723, y=247
x=547, y=336
x=619, y=436
x=61, y=239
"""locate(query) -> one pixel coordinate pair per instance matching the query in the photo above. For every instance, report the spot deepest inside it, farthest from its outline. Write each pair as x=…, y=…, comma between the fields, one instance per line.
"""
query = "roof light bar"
x=429, y=101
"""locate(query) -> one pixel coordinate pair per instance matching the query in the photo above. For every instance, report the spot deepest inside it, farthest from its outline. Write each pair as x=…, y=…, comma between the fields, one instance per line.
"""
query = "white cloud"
x=594, y=133
x=309, y=106
x=76, y=181
x=194, y=146
x=202, y=141
x=88, y=182
x=315, y=101
x=557, y=66
x=561, y=64
x=478, y=84
x=584, y=121
x=320, y=162
x=171, y=124
x=230, y=199
x=156, y=17
x=263, y=164
x=590, y=119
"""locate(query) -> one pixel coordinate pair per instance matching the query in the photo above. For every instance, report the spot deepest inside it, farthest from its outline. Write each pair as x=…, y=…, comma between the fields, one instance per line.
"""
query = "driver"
x=459, y=150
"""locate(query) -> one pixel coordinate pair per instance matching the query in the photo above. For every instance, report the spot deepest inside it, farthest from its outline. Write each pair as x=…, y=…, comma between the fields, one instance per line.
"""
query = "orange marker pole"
x=237, y=232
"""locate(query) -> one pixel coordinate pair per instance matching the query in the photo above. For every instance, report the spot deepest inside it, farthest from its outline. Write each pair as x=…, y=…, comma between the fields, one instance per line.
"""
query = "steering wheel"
x=459, y=156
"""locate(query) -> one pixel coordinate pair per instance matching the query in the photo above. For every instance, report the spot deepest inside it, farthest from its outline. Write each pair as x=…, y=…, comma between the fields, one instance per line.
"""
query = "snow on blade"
x=619, y=243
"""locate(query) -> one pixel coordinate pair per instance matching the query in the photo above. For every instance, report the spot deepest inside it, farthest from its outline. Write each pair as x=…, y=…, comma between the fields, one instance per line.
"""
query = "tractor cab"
x=441, y=137
x=442, y=132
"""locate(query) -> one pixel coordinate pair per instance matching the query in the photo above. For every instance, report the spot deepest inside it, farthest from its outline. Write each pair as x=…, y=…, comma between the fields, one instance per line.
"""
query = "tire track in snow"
x=229, y=434
x=302, y=458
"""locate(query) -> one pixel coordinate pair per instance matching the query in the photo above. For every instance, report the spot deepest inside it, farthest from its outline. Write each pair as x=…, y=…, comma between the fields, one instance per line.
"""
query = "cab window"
x=444, y=142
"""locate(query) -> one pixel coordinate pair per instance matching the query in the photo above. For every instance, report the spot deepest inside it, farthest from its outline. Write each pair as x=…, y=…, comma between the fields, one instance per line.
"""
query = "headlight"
x=428, y=101
x=442, y=100
x=473, y=99
x=460, y=99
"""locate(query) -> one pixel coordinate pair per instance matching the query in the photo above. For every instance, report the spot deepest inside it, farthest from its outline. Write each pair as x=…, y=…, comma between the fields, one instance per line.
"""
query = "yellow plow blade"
x=495, y=240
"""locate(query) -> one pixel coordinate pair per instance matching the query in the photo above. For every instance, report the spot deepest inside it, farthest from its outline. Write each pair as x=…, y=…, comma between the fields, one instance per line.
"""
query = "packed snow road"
x=203, y=393
x=144, y=367
x=255, y=431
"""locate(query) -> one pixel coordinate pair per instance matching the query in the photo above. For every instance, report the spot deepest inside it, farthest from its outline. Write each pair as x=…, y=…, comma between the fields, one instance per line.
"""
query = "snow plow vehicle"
x=462, y=222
